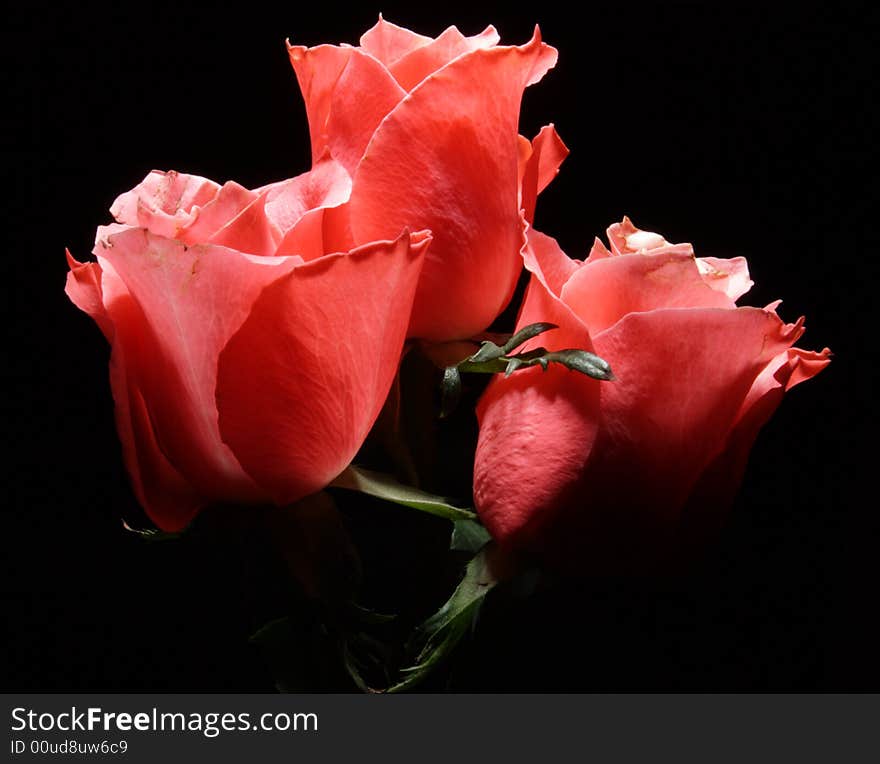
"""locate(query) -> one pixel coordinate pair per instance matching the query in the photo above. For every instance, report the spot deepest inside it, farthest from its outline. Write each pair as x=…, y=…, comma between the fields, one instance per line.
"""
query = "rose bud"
x=252, y=344
x=626, y=475
x=427, y=128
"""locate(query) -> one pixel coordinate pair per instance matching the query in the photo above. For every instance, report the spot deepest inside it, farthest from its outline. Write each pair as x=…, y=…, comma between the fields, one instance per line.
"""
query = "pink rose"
x=252, y=344
x=618, y=475
x=427, y=129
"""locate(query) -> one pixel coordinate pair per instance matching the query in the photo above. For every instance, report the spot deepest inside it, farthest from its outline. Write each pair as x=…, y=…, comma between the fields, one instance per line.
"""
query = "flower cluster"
x=256, y=333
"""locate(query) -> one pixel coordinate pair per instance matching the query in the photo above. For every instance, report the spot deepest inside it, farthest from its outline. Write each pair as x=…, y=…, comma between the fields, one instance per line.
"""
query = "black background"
x=741, y=130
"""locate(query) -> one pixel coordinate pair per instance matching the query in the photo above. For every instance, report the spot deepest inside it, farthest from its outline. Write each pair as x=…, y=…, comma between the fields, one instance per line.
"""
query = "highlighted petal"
x=305, y=376
x=445, y=160
x=605, y=290
x=347, y=94
x=388, y=42
x=413, y=67
x=185, y=303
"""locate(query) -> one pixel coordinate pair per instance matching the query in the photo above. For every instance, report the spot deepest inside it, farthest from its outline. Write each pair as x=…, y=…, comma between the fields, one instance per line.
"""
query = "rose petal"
x=598, y=251
x=327, y=184
x=606, y=290
x=168, y=499
x=190, y=301
x=545, y=259
x=626, y=239
x=230, y=203
x=536, y=428
x=682, y=378
x=445, y=160
x=347, y=94
x=548, y=152
x=304, y=378
x=728, y=276
x=716, y=489
x=388, y=42
x=251, y=231
x=414, y=66
x=164, y=201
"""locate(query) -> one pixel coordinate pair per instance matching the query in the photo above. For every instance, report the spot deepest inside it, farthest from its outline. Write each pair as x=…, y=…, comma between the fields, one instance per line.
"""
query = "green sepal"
x=382, y=486
x=439, y=634
x=152, y=534
x=490, y=351
x=492, y=358
x=468, y=536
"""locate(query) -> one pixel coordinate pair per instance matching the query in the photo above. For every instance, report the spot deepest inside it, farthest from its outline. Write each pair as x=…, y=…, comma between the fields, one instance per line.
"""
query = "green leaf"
x=489, y=351
x=468, y=536
x=366, y=615
x=152, y=534
x=440, y=633
x=525, y=334
x=582, y=361
x=493, y=359
x=383, y=486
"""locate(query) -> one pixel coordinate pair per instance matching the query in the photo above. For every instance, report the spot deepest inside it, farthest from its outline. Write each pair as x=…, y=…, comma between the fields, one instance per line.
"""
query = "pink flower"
x=253, y=344
x=621, y=474
x=427, y=129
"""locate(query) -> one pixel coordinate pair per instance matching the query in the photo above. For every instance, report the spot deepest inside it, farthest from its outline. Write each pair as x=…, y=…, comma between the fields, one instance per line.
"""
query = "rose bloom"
x=253, y=344
x=629, y=474
x=428, y=130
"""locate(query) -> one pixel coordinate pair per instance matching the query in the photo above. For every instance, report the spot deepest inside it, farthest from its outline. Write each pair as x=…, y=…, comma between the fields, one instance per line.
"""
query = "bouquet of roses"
x=285, y=348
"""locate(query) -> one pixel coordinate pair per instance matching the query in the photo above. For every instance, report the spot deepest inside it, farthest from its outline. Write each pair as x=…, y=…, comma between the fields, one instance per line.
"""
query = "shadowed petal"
x=547, y=153
x=682, y=378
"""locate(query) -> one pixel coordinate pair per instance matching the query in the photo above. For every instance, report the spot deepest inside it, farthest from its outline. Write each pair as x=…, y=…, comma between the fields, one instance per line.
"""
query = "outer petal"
x=548, y=152
x=185, y=304
x=304, y=378
x=536, y=428
x=682, y=378
x=169, y=500
x=446, y=159
x=347, y=94
x=722, y=476
x=544, y=258
x=605, y=290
